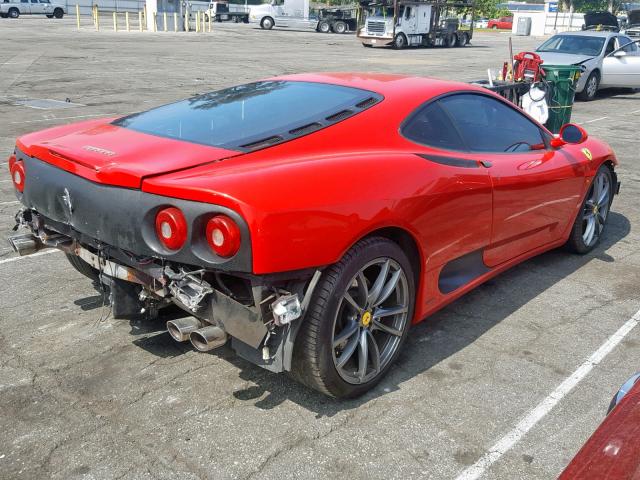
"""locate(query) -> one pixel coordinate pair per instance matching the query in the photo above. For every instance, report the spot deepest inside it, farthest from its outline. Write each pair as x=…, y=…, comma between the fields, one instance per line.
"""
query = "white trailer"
x=283, y=13
x=414, y=23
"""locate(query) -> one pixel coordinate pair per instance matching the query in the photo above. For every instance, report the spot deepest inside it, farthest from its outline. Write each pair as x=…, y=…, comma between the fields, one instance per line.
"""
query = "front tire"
x=591, y=220
x=58, y=13
x=590, y=88
x=400, y=41
x=357, y=321
x=14, y=13
x=267, y=23
x=324, y=27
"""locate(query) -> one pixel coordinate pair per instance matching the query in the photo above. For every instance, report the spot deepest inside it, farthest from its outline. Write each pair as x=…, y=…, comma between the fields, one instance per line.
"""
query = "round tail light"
x=17, y=175
x=171, y=228
x=223, y=236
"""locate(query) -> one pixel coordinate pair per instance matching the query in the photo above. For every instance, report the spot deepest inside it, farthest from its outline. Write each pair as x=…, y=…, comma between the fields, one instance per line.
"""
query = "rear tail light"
x=223, y=236
x=171, y=228
x=17, y=173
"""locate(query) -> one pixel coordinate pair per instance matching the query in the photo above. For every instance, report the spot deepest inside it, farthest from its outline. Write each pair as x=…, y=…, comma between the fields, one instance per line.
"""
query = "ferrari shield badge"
x=587, y=153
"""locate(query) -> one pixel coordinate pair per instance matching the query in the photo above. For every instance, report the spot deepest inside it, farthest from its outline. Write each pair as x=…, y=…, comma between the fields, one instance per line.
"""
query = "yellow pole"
x=144, y=16
x=140, y=20
x=97, y=18
x=209, y=20
x=126, y=21
x=175, y=21
x=186, y=21
x=197, y=21
x=203, y=24
x=78, y=16
x=115, y=22
x=164, y=20
x=155, y=21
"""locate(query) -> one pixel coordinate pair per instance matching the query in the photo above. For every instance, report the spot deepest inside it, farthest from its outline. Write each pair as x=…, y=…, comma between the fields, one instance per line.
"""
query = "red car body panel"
x=503, y=23
x=613, y=451
x=89, y=149
x=308, y=200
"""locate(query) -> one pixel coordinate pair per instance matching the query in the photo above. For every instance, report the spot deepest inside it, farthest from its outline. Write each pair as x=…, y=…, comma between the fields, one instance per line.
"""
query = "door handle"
x=485, y=163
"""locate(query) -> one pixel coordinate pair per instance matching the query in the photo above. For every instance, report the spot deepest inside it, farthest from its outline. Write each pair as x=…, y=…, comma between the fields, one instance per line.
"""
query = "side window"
x=407, y=13
x=24, y=1
x=34, y=1
x=611, y=46
x=488, y=125
x=431, y=126
x=626, y=43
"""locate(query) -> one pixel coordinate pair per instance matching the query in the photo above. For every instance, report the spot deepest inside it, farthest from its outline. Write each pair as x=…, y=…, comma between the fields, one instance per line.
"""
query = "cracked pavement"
x=84, y=396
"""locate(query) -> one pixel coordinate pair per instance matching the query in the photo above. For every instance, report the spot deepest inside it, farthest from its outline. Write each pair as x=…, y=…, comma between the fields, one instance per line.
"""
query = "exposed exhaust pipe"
x=181, y=328
x=208, y=338
x=25, y=243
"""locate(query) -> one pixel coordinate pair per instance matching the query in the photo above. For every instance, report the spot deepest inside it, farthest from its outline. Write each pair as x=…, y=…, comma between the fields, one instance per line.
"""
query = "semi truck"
x=297, y=15
x=414, y=23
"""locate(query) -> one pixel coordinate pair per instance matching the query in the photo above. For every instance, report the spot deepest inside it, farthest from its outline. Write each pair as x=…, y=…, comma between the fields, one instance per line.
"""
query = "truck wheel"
x=463, y=39
x=400, y=41
x=267, y=23
x=357, y=321
x=236, y=19
x=324, y=27
x=340, y=27
x=451, y=41
x=14, y=13
x=58, y=13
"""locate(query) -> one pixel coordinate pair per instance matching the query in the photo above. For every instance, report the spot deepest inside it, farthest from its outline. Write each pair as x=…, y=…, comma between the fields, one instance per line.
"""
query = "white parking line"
x=595, y=120
x=37, y=254
x=507, y=442
x=2, y=204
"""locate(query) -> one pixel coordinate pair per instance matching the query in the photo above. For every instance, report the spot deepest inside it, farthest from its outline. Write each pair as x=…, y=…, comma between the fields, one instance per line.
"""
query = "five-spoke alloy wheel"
x=357, y=320
x=592, y=218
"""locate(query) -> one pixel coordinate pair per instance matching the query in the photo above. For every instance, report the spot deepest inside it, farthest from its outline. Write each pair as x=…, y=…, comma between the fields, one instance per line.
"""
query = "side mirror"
x=570, y=133
x=620, y=53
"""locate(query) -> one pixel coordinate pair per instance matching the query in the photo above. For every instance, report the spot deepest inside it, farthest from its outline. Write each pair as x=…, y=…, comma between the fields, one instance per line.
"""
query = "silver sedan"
x=610, y=59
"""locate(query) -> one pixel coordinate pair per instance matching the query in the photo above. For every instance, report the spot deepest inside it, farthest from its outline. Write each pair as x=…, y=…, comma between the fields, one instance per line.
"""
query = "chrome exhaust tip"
x=181, y=328
x=208, y=338
x=25, y=243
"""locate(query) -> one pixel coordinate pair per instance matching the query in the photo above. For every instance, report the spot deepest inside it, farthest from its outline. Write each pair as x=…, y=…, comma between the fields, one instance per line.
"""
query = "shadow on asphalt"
x=430, y=343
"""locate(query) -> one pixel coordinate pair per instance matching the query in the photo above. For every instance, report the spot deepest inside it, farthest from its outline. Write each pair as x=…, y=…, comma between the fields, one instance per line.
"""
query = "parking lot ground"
x=86, y=396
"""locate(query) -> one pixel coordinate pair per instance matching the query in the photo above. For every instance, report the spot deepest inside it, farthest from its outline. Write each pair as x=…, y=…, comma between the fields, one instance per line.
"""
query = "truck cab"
x=411, y=23
x=282, y=13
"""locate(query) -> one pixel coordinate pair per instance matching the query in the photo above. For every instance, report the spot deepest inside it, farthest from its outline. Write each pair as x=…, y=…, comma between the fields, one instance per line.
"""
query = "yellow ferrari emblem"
x=366, y=319
x=587, y=153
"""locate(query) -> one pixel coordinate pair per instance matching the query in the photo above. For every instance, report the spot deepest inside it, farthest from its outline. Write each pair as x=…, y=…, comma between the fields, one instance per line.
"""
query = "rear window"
x=252, y=116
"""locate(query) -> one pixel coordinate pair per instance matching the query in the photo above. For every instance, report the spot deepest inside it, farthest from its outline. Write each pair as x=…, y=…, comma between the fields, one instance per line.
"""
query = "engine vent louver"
x=305, y=129
x=265, y=142
x=339, y=116
x=367, y=102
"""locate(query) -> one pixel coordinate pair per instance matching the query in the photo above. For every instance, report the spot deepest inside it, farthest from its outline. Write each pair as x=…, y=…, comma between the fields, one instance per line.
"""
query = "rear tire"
x=591, y=220
x=58, y=13
x=452, y=40
x=340, y=27
x=367, y=45
x=336, y=326
x=324, y=27
x=267, y=23
x=82, y=267
x=14, y=13
x=463, y=40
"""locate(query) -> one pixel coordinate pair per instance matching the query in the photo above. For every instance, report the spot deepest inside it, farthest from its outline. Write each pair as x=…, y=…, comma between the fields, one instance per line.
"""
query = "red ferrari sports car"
x=310, y=218
x=613, y=451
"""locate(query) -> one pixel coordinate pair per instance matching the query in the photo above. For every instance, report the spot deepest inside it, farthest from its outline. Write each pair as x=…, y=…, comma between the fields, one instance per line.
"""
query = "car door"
x=36, y=7
x=46, y=7
x=621, y=68
x=536, y=189
x=25, y=7
x=281, y=13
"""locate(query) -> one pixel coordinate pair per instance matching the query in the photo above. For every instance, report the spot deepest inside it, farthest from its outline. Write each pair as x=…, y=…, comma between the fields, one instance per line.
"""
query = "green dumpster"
x=562, y=80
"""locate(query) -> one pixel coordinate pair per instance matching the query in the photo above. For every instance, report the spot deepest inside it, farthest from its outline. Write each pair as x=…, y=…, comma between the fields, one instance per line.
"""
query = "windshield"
x=573, y=44
x=238, y=116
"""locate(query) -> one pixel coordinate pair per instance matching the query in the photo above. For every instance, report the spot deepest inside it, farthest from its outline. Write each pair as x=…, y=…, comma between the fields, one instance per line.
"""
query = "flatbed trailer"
x=414, y=23
x=340, y=19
